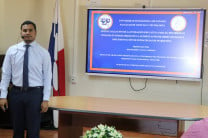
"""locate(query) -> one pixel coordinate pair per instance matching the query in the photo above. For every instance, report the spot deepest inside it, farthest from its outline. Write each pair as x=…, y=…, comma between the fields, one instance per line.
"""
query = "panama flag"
x=56, y=50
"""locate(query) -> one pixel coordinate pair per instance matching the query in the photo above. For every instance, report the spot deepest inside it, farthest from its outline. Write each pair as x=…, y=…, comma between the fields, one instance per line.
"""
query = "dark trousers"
x=25, y=107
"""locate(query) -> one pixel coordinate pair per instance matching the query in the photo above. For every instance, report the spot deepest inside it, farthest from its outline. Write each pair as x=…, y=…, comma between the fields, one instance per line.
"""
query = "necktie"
x=25, y=68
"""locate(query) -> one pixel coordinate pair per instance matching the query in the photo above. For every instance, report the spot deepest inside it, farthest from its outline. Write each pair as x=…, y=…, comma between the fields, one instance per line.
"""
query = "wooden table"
x=132, y=115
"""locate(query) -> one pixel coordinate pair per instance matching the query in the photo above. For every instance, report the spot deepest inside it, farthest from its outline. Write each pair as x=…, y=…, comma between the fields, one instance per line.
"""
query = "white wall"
x=14, y=12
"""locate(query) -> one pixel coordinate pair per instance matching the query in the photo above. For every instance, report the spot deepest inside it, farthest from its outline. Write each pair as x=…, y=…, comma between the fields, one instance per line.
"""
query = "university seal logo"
x=178, y=23
x=105, y=21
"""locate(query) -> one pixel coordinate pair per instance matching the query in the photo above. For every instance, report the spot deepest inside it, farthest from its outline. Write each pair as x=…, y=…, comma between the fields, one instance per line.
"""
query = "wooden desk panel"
x=140, y=116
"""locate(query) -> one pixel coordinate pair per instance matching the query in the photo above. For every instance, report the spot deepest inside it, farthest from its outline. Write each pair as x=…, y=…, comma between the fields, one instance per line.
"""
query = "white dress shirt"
x=39, y=67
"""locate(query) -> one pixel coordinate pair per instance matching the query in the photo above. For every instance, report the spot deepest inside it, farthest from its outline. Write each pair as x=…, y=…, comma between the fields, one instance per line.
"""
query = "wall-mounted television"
x=146, y=43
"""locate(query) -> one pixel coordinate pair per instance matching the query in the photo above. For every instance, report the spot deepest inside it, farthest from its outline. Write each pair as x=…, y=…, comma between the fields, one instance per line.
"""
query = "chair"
x=198, y=129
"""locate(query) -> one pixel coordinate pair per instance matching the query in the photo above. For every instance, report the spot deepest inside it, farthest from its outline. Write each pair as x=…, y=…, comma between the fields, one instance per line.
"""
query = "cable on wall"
x=137, y=90
x=74, y=48
x=202, y=85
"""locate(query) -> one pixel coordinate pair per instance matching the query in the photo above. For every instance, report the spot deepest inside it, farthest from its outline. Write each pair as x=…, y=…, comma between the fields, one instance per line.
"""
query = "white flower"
x=103, y=131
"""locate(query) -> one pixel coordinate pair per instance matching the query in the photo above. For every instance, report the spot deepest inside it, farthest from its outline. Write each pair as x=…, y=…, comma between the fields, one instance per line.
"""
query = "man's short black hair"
x=28, y=22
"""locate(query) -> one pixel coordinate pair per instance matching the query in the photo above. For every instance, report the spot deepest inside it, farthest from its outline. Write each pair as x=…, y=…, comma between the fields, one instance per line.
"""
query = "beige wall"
x=15, y=12
x=73, y=12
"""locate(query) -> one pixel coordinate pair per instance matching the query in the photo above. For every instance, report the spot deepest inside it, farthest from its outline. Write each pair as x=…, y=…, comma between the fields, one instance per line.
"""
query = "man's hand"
x=44, y=106
x=3, y=104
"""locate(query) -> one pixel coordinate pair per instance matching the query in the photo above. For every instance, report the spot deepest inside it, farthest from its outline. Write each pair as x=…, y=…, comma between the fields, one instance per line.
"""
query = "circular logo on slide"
x=178, y=23
x=105, y=21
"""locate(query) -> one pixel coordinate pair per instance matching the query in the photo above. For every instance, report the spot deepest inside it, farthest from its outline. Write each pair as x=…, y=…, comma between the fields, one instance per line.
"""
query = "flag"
x=56, y=50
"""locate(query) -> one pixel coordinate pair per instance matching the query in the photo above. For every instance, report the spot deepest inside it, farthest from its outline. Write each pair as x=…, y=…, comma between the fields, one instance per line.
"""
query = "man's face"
x=28, y=33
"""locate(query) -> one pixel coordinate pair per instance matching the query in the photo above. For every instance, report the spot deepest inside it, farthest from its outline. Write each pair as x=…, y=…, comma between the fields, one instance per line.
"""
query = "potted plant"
x=103, y=131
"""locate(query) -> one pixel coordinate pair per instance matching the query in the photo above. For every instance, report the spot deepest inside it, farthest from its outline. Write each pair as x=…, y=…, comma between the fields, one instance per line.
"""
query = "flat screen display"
x=147, y=43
